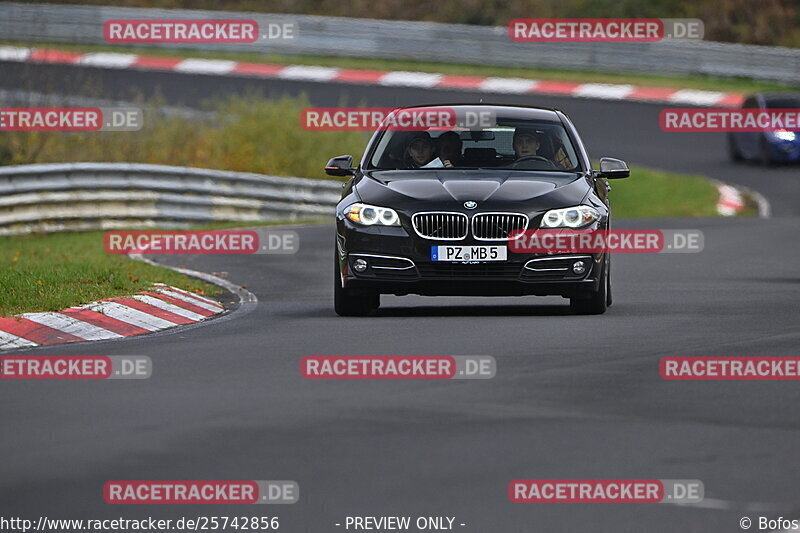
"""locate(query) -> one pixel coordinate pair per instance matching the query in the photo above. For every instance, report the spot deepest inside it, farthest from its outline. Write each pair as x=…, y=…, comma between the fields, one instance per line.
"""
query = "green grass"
x=708, y=83
x=652, y=193
x=55, y=271
x=249, y=135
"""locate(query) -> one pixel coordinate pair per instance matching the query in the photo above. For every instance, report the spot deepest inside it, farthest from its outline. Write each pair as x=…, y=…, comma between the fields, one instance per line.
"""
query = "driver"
x=450, y=149
x=526, y=142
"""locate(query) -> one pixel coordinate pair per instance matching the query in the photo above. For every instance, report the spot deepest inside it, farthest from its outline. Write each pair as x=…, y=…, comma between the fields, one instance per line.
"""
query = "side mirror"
x=340, y=166
x=611, y=168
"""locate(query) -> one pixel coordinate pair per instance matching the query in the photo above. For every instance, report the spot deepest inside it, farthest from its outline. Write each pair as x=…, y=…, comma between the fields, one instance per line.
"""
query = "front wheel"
x=609, y=300
x=352, y=302
x=733, y=150
x=597, y=302
x=766, y=154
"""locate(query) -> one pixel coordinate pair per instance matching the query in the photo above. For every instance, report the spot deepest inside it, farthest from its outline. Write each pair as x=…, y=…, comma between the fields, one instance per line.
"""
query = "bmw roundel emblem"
x=470, y=204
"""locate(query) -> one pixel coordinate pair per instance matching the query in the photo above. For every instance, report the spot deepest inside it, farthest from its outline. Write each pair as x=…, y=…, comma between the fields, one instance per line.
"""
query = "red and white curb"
x=426, y=80
x=160, y=308
x=730, y=200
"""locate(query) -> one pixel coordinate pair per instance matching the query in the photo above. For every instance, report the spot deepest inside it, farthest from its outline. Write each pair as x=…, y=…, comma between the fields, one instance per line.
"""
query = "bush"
x=246, y=134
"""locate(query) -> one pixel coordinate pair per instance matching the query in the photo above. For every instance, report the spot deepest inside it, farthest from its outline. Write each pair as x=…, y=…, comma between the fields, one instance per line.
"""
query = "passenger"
x=450, y=149
x=419, y=150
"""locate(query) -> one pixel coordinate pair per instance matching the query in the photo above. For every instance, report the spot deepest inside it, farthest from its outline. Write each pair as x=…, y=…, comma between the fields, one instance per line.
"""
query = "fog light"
x=579, y=267
x=359, y=265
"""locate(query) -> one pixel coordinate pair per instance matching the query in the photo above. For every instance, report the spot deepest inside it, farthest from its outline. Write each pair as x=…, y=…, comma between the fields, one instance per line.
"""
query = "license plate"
x=468, y=253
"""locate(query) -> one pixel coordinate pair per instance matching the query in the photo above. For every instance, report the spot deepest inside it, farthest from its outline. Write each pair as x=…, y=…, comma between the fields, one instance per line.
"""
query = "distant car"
x=407, y=228
x=768, y=147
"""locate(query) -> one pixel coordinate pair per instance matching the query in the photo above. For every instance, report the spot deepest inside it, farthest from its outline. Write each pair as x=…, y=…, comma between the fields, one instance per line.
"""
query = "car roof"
x=523, y=112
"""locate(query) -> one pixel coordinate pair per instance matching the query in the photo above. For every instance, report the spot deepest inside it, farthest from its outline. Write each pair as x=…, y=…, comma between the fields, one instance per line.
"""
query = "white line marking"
x=188, y=299
x=9, y=341
x=194, y=295
x=507, y=85
x=410, y=79
x=764, y=208
x=73, y=326
x=14, y=53
x=247, y=300
x=692, y=96
x=604, y=91
x=308, y=72
x=730, y=200
x=108, y=60
x=166, y=306
x=130, y=315
x=205, y=66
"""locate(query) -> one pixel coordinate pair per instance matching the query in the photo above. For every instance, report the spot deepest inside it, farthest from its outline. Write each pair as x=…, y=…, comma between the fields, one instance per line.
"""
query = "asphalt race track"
x=574, y=396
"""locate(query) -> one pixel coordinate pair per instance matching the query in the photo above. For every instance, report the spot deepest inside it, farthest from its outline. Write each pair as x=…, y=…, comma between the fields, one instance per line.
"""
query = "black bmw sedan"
x=430, y=211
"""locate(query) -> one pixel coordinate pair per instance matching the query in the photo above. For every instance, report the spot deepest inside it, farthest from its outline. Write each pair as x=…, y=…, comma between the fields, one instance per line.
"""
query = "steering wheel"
x=532, y=158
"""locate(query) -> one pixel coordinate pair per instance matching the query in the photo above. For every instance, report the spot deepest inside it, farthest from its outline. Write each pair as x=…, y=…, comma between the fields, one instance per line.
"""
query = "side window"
x=750, y=103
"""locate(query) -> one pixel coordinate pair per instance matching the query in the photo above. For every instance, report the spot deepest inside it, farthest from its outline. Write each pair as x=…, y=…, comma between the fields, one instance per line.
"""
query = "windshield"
x=783, y=103
x=511, y=145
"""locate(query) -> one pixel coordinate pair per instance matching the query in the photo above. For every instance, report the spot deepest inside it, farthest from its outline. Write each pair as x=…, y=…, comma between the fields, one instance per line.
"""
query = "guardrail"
x=82, y=196
x=423, y=41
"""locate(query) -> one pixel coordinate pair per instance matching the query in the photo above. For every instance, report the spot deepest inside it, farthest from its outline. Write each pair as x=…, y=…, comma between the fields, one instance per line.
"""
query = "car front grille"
x=498, y=226
x=441, y=225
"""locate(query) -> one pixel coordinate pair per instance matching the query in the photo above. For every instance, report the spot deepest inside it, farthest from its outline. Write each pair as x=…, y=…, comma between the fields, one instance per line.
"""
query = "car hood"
x=399, y=188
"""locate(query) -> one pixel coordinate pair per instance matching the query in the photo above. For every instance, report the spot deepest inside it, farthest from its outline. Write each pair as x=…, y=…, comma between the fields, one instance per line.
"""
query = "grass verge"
x=55, y=271
x=655, y=193
x=50, y=272
x=707, y=83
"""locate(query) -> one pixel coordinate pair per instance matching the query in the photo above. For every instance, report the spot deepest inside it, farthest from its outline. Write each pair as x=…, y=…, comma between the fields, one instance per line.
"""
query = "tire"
x=733, y=150
x=609, y=300
x=597, y=302
x=352, y=302
x=766, y=154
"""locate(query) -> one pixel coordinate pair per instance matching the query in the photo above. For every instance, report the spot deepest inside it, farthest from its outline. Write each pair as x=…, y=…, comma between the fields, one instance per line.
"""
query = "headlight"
x=785, y=135
x=369, y=215
x=570, y=217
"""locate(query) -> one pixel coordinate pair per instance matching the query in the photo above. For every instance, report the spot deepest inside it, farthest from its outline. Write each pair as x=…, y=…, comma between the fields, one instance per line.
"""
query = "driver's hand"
x=447, y=163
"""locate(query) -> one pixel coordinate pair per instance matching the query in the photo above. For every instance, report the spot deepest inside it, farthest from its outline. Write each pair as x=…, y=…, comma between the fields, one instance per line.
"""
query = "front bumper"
x=399, y=263
x=785, y=151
